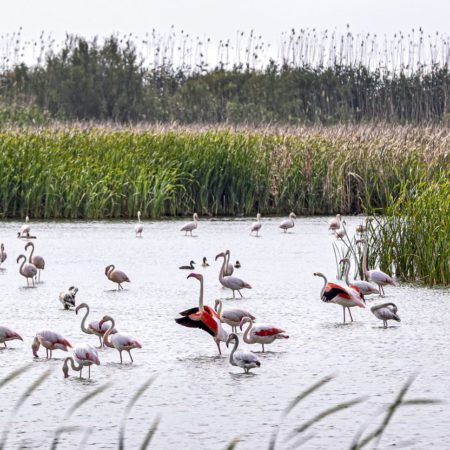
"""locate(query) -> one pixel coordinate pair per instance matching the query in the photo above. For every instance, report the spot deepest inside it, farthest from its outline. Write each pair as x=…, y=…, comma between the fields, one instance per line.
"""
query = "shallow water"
x=204, y=402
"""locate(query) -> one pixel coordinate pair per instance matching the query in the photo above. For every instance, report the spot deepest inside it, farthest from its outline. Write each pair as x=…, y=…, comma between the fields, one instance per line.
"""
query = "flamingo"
x=37, y=261
x=116, y=276
x=190, y=226
x=51, y=341
x=203, y=317
x=25, y=228
x=85, y=355
x=119, y=341
x=68, y=298
x=385, y=312
x=334, y=223
x=189, y=267
x=229, y=268
x=232, y=316
x=3, y=254
x=377, y=276
x=94, y=326
x=237, y=265
x=6, y=334
x=256, y=226
x=341, y=295
x=288, y=223
x=205, y=262
x=27, y=270
x=246, y=360
x=261, y=333
x=363, y=286
x=139, y=228
x=233, y=283
x=340, y=232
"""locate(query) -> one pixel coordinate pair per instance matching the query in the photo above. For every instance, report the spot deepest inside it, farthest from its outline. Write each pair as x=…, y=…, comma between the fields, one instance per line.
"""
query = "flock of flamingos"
x=347, y=294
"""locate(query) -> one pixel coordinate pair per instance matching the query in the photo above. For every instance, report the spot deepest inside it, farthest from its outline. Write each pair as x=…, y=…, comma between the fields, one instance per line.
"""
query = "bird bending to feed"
x=203, y=317
x=3, y=254
x=51, y=341
x=139, y=228
x=385, y=312
x=25, y=228
x=261, y=333
x=94, y=326
x=205, y=262
x=37, y=261
x=363, y=286
x=288, y=223
x=189, y=267
x=334, y=223
x=377, y=276
x=190, y=226
x=85, y=355
x=256, y=226
x=120, y=341
x=341, y=295
x=7, y=334
x=233, y=283
x=27, y=270
x=231, y=316
x=68, y=298
x=116, y=276
x=246, y=360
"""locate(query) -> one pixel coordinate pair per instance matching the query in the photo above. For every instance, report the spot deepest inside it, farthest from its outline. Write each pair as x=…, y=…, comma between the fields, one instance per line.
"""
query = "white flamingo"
x=25, y=228
x=85, y=355
x=334, y=223
x=120, y=341
x=232, y=316
x=385, y=312
x=233, y=283
x=6, y=334
x=229, y=268
x=256, y=226
x=94, y=326
x=50, y=341
x=68, y=298
x=190, y=226
x=3, y=254
x=37, y=261
x=27, y=270
x=288, y=223
x=139, y=228
x=245, y=360
x=261, y=333
x=116, y=276
x=377, y=276
x=363, y=286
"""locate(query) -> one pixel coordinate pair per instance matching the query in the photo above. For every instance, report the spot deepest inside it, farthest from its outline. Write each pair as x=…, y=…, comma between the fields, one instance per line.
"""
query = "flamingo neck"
x=76, y=368
x=32, y=251
x=364, y=263
x=347, y=270
x=236, y=343
x=83, y=322
x=219, y=309
x=325, y=281
x=111, y=269
x=21, y=266
x=106, y=340
x=222, y=270
x=246, y=339
x=200, y=299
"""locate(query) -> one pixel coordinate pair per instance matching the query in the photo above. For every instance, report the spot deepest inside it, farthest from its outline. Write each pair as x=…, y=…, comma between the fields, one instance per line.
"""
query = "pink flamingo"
x=25, y=229
x=256, y=226
x=362, y=286
x=27, y=270
x=288, y=223
x=7, y=334
x=190, y=226
x=139, y=228
x=335, y=223
x=51, y=341
x=233, y=283
x=232, y=316
x=261, y=333
x=85, y=355
x=37, y=261
x=116, y=276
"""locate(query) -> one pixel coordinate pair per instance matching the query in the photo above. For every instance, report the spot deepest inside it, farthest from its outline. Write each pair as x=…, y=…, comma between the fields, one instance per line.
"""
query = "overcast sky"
x=220, y=19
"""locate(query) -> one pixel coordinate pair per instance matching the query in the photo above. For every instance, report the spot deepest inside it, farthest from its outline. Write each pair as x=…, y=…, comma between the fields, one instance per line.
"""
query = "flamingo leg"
x=89, y=367
x=46, y=353
x=39, y=278
x=240, y=293
x=129, y=352
x=4, y=343
x=385, y=323
x=344, y=312
x=233, y=294
x=350, y=314
x=101, y=342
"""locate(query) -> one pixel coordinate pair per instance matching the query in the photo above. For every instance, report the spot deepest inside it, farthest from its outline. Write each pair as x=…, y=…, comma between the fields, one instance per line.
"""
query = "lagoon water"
x=203, y=402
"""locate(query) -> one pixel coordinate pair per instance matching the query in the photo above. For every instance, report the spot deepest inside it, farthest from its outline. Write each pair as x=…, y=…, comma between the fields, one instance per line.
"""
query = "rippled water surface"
x=204, y=402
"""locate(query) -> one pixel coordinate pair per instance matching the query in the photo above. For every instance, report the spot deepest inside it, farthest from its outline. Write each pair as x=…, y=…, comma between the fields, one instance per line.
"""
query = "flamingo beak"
x=193, y=274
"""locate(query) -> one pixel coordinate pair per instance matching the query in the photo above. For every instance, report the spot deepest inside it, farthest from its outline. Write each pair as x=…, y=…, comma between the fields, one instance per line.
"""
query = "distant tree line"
x=86, y=80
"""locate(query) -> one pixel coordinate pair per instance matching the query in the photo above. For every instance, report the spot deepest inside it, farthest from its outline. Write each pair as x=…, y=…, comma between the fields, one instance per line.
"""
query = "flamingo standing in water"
x=25, y=228
x=341, y=232
x=3, y=254
x=37, y=261
x=256, y=226
x=203, y=317
x=190, y=226
x=51, y=341
x=385, y=312
x=341, y=295
x=27, y=270
x=288, y=223
x=363, y=286
x=231, y=316
x=334, y=223
x=7, y=334
x=68, y=298
x=94, y=326
x=120, y=341
x=261, y=333
x=377, y=276
x=139, y=228
x=85, y=355
x=233, y=283
x=116, y=276
x=246, y=360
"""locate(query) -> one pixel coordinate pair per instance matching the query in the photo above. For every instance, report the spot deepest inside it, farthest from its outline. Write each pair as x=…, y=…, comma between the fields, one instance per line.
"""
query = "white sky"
x=220, y=19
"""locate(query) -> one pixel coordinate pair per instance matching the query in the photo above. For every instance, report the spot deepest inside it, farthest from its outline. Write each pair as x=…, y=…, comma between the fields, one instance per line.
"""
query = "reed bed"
x=102, y=172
